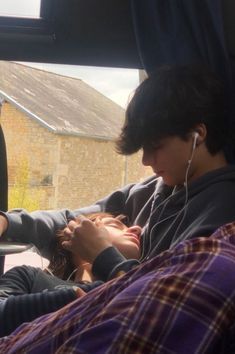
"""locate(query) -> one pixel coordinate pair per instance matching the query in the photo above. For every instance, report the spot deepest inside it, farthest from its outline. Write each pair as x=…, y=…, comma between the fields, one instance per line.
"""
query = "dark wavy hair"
x=171, y=102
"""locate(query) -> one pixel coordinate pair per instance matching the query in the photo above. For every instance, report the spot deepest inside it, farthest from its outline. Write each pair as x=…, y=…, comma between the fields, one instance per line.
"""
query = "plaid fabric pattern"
x=182, y=301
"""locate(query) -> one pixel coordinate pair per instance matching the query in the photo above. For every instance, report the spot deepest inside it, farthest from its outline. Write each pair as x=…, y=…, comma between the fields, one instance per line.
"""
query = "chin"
x=169, y=183
x=132, y=254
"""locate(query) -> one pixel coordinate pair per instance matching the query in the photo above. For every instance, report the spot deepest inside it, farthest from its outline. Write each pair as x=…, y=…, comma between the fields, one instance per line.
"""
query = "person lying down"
x=36, y=292
x=181, y=301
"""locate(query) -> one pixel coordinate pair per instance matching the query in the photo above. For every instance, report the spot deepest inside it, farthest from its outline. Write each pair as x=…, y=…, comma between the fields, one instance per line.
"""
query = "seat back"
x=3, y=184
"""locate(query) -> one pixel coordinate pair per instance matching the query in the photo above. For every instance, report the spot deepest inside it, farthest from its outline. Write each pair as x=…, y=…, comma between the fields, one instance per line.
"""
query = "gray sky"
x=117, y=84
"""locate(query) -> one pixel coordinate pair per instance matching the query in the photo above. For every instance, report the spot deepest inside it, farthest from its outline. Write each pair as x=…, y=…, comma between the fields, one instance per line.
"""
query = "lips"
x=133, y=238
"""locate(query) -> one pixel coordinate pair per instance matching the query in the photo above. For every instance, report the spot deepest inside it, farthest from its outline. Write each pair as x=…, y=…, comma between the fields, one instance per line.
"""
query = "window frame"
x=13, y=28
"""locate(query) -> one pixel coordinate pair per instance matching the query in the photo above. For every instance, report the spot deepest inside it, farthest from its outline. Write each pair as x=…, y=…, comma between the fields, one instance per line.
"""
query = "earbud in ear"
x=195, y=137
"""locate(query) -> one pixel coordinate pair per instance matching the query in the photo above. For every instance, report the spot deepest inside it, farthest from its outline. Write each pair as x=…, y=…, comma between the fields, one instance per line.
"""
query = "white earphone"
x=195, y=137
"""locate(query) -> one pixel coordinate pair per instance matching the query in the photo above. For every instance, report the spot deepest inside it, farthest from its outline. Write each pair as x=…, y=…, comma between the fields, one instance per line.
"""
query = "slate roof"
x=62, y=104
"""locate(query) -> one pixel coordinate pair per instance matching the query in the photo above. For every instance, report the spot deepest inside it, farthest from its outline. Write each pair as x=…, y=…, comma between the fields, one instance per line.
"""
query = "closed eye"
x=115, y=226
x=114, y=223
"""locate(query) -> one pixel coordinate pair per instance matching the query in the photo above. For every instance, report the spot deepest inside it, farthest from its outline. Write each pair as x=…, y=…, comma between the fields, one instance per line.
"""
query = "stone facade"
x=68, y=170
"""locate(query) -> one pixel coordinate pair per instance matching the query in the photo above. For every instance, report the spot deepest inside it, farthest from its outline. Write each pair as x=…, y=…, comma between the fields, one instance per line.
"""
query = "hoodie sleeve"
x=39, y=227
x=110, y=264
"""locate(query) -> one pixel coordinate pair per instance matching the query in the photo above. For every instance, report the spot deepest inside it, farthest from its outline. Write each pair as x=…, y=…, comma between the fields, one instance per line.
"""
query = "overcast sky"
x=117, y=84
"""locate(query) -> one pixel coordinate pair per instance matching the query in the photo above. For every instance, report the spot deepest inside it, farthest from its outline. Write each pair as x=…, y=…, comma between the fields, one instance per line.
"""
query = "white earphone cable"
x=185, y=207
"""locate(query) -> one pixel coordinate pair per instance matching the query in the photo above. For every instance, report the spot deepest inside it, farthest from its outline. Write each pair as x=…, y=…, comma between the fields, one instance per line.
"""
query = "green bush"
x=21, y=194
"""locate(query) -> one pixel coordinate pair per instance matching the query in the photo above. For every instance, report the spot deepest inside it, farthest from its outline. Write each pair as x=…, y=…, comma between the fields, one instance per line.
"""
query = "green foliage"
x=21, y=195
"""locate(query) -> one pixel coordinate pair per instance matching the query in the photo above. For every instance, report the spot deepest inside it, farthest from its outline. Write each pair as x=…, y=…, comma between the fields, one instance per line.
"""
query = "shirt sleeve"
x=16, y=310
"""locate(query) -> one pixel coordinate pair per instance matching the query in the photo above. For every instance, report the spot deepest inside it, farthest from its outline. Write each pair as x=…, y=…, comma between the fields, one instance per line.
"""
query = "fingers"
x=67, y=245
x=98, y=222
x=86, y=239
x=67, y=232
x=74, y=230
x=81, y=221
x=83, y=228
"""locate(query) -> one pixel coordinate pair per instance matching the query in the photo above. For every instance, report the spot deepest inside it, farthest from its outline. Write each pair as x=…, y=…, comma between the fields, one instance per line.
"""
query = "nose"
x=147, y=158
x=135, y=229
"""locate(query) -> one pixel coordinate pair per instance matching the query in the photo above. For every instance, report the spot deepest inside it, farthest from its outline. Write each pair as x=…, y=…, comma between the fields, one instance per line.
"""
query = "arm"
x=39, y=227
x=32, y=306
x=20, y=303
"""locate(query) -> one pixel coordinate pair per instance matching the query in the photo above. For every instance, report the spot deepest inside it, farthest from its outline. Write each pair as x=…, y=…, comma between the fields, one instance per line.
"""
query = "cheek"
x=178, y=158
x=128, y=249
x=165, y=157
x=113, y=234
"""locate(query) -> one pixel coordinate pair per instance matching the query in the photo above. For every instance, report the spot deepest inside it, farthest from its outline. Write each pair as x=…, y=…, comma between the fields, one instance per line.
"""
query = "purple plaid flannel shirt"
x=182, y=301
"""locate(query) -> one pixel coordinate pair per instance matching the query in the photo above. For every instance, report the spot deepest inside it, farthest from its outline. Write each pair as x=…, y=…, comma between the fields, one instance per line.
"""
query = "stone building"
x=64, y=131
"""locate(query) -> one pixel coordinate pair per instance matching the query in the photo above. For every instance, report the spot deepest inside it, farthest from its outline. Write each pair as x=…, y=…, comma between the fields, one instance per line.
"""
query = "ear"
x=202, y=133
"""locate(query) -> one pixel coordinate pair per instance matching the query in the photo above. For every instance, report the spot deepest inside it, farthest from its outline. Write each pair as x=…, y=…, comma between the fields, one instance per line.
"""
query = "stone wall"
x=69, y=171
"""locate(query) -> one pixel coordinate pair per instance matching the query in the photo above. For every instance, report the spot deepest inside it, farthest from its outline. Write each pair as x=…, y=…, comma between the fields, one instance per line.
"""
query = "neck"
x=207, y=164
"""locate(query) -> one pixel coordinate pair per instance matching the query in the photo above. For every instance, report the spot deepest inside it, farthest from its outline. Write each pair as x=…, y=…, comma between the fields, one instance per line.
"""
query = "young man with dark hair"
x=178, y=117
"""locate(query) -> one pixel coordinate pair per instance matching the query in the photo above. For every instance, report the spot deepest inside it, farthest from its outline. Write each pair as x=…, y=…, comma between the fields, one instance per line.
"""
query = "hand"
x=3, y=224
x=87, y=239
x=79, y=292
